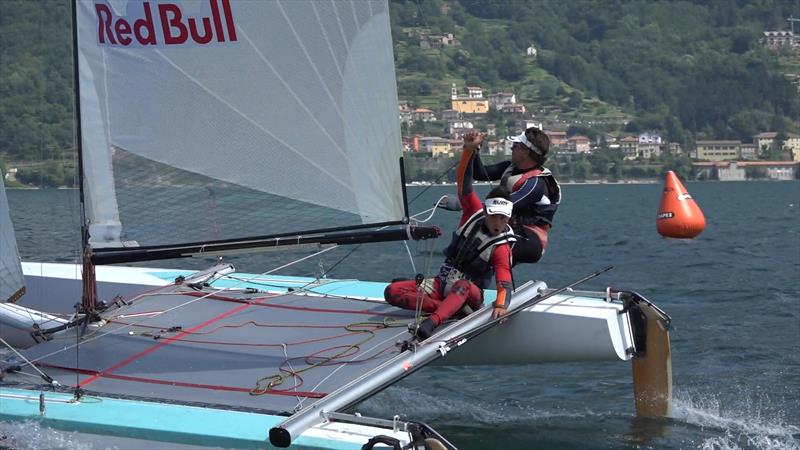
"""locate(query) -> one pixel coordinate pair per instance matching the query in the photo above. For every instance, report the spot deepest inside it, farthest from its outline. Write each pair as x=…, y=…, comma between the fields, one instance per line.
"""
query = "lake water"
x=733, y=294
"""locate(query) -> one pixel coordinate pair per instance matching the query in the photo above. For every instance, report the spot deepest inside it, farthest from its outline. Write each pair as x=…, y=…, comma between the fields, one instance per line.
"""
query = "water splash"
x=30, y=435
x=746, y=423
x=737, y=442
x=451, y=409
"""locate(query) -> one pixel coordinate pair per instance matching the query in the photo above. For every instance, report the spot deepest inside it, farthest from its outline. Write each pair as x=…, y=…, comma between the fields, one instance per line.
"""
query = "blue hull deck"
x=178, y=424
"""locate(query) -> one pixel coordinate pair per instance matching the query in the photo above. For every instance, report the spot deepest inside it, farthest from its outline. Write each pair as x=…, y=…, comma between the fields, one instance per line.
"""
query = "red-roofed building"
x=557, y=138
x=579, y=144
x=630, y=147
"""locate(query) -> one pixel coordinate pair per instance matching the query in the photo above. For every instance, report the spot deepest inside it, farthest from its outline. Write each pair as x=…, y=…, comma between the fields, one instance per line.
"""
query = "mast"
x=89, y=293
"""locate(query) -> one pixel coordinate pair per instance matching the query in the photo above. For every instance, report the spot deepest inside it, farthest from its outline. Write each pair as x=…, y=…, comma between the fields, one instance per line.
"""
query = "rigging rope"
x=268, y=383
x=28, y=362
x=421, y=288
x=434, y=182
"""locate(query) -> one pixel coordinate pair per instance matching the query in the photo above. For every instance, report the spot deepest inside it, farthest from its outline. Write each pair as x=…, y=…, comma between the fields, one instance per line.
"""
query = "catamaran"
x=217, y=127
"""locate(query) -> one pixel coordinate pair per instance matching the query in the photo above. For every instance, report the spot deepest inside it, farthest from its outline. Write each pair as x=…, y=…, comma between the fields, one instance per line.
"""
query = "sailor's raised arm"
x=470, y=203
x=491, y=172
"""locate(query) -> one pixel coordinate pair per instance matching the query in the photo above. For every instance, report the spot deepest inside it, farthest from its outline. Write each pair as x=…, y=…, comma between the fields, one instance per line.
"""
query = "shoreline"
x=606, y=182
x=486, y=183
x=564, y=183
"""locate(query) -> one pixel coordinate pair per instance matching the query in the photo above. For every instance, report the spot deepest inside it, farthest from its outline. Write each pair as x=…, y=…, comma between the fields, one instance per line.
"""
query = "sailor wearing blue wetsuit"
x=534, y=191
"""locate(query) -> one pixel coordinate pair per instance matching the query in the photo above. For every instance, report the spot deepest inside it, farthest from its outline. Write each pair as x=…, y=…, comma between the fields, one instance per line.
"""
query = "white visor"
x=522, y=139
x=499, y=206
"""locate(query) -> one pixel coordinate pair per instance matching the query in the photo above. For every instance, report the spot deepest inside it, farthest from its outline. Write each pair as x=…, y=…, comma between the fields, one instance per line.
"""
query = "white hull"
x=564, y=327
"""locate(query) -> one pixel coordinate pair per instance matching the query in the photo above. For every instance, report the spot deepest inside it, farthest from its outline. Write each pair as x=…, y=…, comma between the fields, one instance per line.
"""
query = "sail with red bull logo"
x=165, y=24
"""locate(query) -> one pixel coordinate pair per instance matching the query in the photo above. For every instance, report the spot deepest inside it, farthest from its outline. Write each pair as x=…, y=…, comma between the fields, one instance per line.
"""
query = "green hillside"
x=690, y=69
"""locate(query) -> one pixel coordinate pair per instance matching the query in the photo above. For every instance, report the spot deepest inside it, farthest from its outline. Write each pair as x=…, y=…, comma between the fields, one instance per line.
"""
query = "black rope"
x=325, y=273
x=434, y=182
x=477, y=155
x=485, y=172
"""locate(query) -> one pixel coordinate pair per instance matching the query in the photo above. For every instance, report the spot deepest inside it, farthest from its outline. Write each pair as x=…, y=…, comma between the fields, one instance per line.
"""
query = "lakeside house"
x=672, y=148
x=450, y=114
x=11, y=174
x=516, y=108
x=524, y=124
x=457, y=128
x=472, y=103
x=748, y=151
x=775, y=40
x=579, y=144
x=745, y=170
x=767, y=139
x=438, y=41
x=723, y=150
x=630, y=147
x=406, y=113
x=500, y=99
x=424, y=115
x=650, y=144
x=558, y=139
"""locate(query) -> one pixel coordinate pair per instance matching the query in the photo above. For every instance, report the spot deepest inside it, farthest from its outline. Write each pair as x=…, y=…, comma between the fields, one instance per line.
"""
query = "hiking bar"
x=388, y=373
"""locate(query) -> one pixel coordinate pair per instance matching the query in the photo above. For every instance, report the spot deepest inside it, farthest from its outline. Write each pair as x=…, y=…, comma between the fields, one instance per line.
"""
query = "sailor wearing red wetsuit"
x=534, y=191
x=480, y=248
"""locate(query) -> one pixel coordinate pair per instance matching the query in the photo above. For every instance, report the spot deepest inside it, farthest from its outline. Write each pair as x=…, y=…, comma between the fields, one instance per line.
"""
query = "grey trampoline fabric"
x=226, y=348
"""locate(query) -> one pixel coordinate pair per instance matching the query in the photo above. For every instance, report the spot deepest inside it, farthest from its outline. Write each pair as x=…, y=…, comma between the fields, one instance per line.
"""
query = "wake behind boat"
x=262, y=131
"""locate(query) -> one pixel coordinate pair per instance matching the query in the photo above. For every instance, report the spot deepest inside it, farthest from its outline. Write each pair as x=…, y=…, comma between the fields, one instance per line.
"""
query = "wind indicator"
x=678, y=215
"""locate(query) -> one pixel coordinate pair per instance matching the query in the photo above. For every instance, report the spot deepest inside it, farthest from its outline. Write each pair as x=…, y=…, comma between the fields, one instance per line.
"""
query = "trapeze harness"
x=470, y=252
x=534, y=217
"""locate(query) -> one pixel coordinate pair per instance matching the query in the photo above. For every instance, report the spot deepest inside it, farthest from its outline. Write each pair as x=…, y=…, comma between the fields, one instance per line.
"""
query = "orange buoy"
x=678, y=216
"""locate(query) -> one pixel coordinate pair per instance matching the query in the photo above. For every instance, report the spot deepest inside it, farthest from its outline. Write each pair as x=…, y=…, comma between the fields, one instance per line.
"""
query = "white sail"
x=199, y=107
x=12, y=283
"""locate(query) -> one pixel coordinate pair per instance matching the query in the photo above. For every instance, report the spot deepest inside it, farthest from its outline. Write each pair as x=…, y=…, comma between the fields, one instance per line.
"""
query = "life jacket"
x=470, y=251
x=540, y=214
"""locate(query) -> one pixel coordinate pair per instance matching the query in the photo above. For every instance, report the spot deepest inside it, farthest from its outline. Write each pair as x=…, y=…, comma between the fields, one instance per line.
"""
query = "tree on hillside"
x=780, y=140
x=581, y=169
x=591, y=133
x=575, y=100
x=512, y=67
x=680, y=164
x=602, y=160
x=548, y=89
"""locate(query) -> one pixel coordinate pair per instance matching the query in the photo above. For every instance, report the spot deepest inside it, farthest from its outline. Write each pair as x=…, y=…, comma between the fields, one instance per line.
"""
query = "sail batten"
x=215, y=120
